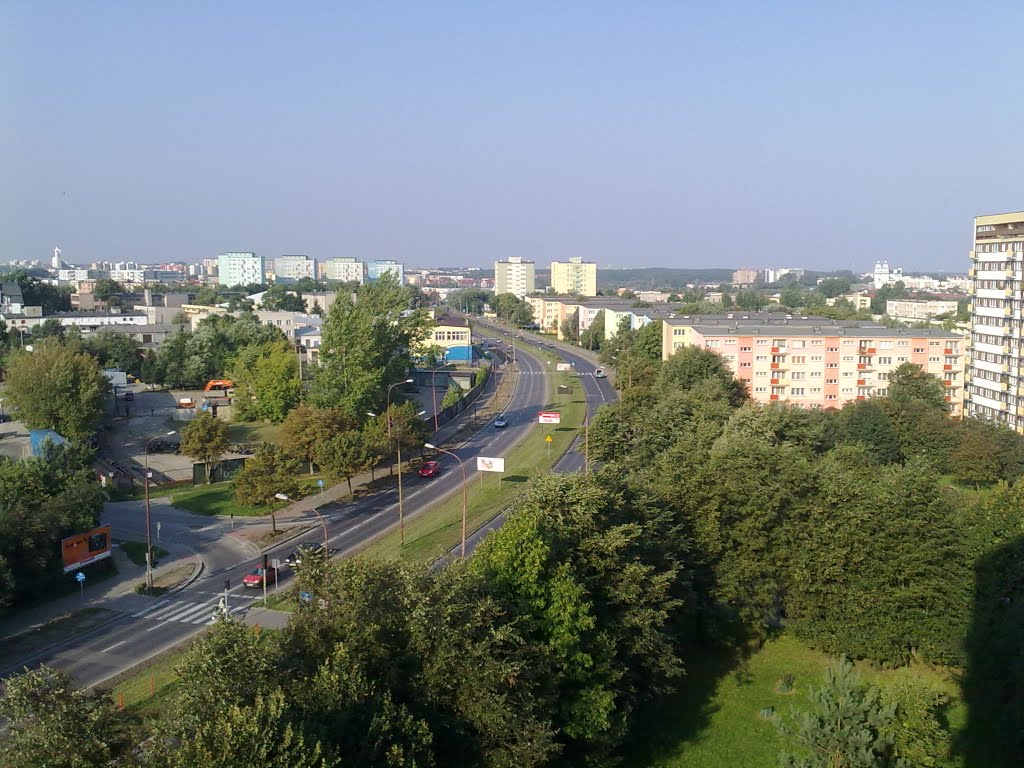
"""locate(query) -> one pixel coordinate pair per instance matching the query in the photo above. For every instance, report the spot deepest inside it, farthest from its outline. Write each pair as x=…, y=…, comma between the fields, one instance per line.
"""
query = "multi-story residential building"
x=815, y=362
x=239, y=268
x=345, y=269
x=514, y=276
x=291, y=268
x=574, y=277
x=377, y=267
x=995, y=388
x=909, y=309
x=745, y=276
x=210, y=267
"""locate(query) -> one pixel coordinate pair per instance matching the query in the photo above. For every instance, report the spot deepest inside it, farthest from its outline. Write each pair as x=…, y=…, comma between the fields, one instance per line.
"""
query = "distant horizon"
x=668, y=134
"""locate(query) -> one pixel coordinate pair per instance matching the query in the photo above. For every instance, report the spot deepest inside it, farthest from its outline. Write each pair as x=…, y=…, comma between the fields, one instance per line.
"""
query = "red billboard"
x=84, y=548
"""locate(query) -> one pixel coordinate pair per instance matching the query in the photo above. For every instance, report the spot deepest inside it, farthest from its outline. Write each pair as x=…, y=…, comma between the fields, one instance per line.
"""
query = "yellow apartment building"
x=574, y=277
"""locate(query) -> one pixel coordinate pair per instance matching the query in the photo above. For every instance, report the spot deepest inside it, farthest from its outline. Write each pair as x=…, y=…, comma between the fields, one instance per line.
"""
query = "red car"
x=430, y=469
x=255, y=577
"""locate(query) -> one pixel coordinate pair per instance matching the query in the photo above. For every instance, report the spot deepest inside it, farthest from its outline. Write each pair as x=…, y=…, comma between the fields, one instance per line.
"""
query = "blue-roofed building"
x=39, y=437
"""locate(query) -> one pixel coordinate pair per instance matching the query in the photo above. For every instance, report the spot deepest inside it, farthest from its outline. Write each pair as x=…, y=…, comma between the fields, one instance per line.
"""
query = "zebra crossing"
x=184, y=612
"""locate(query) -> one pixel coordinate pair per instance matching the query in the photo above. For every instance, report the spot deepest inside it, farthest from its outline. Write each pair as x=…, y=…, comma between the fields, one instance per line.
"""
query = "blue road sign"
x=305, y=597
x=79, y=577
x=320, y=483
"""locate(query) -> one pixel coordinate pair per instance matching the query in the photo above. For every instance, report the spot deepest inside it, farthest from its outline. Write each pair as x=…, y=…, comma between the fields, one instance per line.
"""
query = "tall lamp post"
x=465, y=491
x=316, y=512
x=149, y=527
x=392, y=386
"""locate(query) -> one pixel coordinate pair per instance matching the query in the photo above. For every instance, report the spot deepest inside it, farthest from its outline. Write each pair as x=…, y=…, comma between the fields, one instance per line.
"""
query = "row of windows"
x=999, y=247
x=986, y=338
x=994, y=303
x=800, y=343
x=990, y=284
x=451, y=335
x=988, y=357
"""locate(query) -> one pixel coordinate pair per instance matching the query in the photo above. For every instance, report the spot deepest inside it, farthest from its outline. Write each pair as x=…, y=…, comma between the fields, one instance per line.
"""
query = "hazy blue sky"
x=643, y=133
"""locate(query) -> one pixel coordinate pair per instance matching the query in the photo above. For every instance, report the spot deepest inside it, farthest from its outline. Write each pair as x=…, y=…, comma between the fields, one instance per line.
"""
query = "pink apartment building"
x=820, y=363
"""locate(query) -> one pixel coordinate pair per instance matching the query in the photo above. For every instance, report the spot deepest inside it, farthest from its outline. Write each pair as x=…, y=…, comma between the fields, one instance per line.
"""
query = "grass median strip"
x=430, y=535
x=136, y=552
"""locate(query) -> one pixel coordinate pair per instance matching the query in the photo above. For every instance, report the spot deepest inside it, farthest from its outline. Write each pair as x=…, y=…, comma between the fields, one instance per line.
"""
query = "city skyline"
x=673, y=137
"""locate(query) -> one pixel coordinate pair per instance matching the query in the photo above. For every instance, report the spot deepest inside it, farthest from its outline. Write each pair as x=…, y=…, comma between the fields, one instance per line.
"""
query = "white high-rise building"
x=239, y=268
x=345, y=269
x=292, y=268
x=995, y=374
x=514, y=276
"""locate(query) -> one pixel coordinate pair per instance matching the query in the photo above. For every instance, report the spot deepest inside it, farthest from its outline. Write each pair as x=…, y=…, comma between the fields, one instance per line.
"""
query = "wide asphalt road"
x=599, y=391
x=130, y=639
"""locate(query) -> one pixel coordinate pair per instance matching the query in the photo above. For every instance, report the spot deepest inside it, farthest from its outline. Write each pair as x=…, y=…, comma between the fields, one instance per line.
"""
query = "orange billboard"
x=84, y=548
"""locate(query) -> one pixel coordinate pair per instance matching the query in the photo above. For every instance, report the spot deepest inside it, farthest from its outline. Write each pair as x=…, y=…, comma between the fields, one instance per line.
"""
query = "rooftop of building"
x=452, y=321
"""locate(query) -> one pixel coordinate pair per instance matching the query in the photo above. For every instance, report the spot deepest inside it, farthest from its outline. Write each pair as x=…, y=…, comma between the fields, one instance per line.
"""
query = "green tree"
x=259, y=733
x=270, y=471
x=366, y=343
x=845, y=727
x=51, y=724
x=581, y=566
x=691, y=365
x=106, y=288
x=115, y=350
x=452, y=395
x=792, y=296
x=593, y=336
x=56, y=387
x=266, y=381
x=230, y=665
x=205, y=439
x=472, y=301
x=831, y=287
x=280, y=298
x=908, y=382
x=570, y=330
x=305, y=426
x=976, y=458
x=868, y=422
x=343, y=455
x=916, y=732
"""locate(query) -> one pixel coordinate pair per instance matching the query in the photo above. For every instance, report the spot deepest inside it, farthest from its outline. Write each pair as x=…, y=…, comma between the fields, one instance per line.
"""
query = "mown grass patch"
x=715, y=719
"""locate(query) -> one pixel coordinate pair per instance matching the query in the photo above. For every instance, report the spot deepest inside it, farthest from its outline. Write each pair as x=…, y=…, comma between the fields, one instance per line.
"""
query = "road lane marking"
x=150, y=609
x=163, y=612
x=189, y=615
x=157, y=626
x=113, y=646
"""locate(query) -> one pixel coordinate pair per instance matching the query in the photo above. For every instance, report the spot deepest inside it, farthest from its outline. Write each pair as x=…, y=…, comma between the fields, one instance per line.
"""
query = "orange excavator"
x=222, y=384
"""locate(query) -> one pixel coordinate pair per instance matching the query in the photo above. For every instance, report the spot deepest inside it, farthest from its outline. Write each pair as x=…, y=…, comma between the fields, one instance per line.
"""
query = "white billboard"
x=564, y=366
x=484, y=464
x=550, y=417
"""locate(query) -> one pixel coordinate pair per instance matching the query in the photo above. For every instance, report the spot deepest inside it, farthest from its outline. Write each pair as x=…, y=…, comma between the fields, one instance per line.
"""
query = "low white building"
x=909, y=309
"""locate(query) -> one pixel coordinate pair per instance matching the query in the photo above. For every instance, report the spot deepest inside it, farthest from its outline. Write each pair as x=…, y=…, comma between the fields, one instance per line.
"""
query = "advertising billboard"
x=550, y=417
x=84, y=548
x=484, y=464
x=563, y=366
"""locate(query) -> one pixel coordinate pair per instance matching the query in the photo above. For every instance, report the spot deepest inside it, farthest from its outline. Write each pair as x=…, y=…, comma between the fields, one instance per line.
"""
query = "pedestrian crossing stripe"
x=183, y=613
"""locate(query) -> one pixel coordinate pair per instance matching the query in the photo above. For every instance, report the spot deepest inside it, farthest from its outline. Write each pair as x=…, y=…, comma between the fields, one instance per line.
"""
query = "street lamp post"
x=401, y=508
x=316, y=512
x=392, y=386
x=465, y=491
x=149, y=527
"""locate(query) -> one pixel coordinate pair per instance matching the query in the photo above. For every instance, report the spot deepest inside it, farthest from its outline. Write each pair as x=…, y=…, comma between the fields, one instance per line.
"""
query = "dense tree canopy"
x=367, y=340
x=56, y=387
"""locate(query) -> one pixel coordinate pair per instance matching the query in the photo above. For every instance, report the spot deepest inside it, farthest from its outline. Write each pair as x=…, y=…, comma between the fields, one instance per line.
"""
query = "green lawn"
x=217, y=499
x=246, y=432
x=433, y=533
x=136, y=551
x=714, y=720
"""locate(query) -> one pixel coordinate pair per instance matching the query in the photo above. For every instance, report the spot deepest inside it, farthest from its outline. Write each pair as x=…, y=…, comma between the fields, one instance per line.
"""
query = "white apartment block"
x=908, y=309
x=292, y=268
x=574, y=277
x=995, y=388
x=239, y=268
x=514, y=276
x=346, y=269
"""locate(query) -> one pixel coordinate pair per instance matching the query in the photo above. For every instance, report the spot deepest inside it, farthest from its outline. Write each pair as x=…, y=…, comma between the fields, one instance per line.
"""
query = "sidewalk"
x=114, y=594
